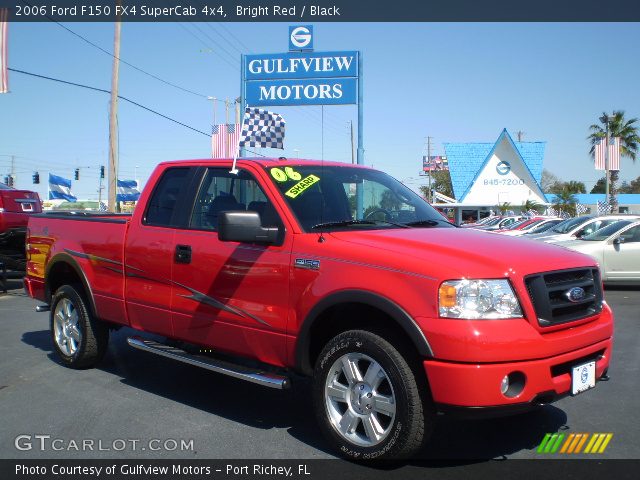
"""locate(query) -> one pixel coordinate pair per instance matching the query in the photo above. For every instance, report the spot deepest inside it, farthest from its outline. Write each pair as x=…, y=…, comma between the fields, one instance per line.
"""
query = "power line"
x=109, y=92
x=166, y=82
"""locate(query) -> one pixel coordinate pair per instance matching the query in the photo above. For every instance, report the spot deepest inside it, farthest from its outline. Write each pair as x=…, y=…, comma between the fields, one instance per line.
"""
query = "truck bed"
x=93, y=242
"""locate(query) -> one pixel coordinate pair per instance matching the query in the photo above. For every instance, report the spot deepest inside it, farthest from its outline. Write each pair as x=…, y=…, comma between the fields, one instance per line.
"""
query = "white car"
x=579, y=227
x=616, y=248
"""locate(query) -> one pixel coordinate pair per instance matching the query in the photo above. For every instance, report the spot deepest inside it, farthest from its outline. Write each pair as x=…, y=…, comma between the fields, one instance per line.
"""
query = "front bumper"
x=478, y=385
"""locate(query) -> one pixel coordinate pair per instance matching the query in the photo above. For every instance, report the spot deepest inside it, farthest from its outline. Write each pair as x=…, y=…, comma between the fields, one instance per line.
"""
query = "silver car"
x=616, y=248
x=579, y=227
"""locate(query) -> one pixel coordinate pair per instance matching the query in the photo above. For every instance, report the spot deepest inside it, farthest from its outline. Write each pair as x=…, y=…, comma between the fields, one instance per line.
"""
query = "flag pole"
x=606, y=162
x=234, y=170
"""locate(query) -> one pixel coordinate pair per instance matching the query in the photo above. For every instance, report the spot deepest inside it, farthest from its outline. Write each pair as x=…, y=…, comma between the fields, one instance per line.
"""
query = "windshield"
x=331, y=197
x=493, y=221
x=568, y=225
x=607, y=231
x=544, y=227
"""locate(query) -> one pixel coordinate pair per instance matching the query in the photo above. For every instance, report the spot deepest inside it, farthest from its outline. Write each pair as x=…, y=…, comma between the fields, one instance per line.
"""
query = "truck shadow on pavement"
x=454, y=442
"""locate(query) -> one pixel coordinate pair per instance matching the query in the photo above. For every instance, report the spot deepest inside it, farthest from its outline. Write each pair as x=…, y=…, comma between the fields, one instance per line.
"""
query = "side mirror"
x=618, y=240
x=241, y=226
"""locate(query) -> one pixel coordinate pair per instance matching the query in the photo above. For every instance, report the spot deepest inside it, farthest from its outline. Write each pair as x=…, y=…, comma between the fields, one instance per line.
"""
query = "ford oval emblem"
x=576, y=294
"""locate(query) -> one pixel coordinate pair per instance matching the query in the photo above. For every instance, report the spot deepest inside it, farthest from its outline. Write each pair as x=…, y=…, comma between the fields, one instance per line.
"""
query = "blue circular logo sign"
x=503, y=168
x=300, y=37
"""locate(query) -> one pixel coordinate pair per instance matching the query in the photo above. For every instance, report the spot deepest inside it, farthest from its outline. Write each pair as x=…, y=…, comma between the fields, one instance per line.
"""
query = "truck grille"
x=552, y=300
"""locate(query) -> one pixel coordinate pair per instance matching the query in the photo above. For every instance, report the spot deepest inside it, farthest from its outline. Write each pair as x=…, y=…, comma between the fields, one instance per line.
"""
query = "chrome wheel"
x=66, y=329
x=360, y=400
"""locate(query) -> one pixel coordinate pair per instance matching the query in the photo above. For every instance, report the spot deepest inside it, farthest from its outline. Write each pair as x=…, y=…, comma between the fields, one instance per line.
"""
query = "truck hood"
x=458, y=252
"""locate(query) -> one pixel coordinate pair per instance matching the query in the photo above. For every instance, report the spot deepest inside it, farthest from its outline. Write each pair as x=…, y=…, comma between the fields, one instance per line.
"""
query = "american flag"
x=224, y=140
x=599, y=154
x=614, y=154
x=4, y=51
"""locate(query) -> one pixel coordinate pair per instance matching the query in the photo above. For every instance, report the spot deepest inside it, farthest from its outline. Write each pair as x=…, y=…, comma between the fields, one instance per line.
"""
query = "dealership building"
x=485, y=175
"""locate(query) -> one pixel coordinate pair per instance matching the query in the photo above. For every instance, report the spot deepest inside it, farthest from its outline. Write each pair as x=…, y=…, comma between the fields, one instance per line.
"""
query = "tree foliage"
x=440, y=182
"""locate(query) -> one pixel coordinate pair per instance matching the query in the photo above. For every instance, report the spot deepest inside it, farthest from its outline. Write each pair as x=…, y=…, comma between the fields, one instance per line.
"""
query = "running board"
x=266, y=379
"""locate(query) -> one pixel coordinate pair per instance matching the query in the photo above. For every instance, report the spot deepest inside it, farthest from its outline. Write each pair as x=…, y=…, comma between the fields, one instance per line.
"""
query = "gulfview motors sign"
x=301, y=77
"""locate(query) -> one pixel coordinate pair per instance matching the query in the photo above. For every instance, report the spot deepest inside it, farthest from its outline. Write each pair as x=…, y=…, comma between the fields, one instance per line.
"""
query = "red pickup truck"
x=331, y=271
x=15, y=208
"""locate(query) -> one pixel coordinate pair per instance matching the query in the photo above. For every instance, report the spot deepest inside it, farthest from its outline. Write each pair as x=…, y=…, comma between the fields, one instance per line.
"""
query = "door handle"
x=183, y=254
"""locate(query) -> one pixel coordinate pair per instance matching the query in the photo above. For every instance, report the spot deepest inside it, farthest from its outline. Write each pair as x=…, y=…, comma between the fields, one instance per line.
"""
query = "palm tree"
x=565, y=201
x=629, y=140
x=529, y=205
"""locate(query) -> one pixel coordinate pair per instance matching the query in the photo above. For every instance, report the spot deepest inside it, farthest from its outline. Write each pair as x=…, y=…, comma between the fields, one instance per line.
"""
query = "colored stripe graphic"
x=573, y=443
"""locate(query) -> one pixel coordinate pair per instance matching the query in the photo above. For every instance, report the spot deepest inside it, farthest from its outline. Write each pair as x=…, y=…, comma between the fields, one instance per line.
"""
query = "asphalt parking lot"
x=136, y=395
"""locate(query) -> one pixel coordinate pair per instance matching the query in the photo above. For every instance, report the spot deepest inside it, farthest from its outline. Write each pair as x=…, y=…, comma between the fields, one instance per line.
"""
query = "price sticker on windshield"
x=301, y=186
x=287, y=174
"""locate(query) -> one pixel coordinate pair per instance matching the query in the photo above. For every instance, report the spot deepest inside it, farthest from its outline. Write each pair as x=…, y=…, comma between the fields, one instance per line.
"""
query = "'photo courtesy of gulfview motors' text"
x=290, y=239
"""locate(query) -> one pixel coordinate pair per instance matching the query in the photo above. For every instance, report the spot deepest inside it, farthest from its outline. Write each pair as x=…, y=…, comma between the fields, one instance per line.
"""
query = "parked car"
x=503, y=222
x=518, y=228
x=543, y=226
x=616, y=248
x=483, y=221
x=16, y=206
x=579, y=227
x=392, y=312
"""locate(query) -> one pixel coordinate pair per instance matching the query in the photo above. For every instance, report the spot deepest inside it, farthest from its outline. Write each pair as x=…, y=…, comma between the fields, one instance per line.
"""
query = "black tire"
x=411, y=422
x=93, y=334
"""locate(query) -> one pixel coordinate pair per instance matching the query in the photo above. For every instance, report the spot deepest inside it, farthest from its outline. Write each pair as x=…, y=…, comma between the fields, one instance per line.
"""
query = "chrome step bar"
x=266, y=379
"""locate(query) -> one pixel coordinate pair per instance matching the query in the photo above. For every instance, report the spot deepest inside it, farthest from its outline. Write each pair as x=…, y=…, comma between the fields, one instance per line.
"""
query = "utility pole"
x=13, y=168
x=353, y=150
x=226, y=111
x=520, y=135
x=606, y=160
x=430, y=195
x=113, y=116
x=238, y=110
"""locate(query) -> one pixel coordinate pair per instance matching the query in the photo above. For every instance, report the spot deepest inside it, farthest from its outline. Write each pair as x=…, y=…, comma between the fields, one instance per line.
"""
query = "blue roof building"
x=488, y=174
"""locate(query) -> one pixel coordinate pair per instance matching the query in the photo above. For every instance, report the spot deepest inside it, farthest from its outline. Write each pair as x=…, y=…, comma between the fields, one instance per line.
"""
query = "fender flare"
x=71, y=262
x=393, y=310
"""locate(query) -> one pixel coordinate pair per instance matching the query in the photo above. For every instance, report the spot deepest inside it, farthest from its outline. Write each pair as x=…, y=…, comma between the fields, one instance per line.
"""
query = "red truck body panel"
x=253, y=302
x=15, y=208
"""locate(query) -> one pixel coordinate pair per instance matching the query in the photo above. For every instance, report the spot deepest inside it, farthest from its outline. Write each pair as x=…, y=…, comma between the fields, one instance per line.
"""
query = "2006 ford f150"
x=331, y=271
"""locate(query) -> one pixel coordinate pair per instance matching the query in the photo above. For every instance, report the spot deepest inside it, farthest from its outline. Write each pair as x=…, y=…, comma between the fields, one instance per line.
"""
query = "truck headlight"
x=478, y=299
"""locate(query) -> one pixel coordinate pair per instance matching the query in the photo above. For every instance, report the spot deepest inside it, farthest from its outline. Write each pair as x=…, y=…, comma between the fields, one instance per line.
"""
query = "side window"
x=222, y=191
x=165, y=196
x=632, y=235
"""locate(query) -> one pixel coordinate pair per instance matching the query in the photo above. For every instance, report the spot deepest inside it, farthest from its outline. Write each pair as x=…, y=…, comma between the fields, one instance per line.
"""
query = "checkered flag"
x=604, y=208
x=550, y=212
x=262, y=129
x=580, y=208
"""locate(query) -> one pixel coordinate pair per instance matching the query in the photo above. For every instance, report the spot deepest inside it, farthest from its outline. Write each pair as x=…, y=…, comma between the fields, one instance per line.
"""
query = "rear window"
x=162, y=205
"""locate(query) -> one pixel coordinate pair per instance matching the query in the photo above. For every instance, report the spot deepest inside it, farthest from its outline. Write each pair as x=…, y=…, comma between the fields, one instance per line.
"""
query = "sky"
x=452, y=82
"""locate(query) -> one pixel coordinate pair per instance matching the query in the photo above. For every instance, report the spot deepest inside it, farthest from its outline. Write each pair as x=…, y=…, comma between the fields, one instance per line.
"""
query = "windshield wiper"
x=345, y=223
x=423, y=223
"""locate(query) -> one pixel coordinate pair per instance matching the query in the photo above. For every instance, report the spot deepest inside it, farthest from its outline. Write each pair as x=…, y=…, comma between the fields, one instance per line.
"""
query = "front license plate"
x=583, y=377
